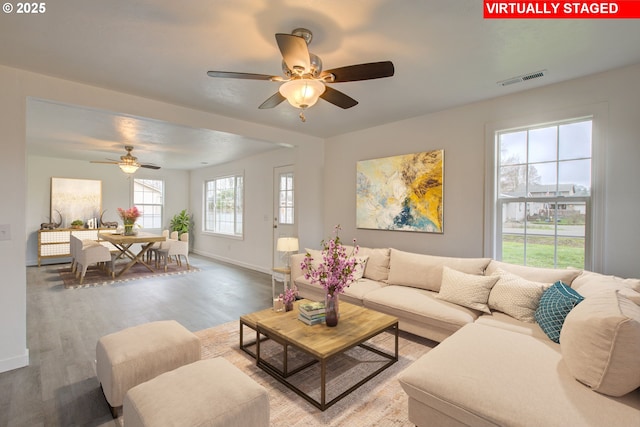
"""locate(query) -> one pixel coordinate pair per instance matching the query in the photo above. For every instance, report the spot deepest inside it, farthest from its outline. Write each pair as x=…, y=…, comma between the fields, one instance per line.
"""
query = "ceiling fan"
x=128, y=163
x=304, y=80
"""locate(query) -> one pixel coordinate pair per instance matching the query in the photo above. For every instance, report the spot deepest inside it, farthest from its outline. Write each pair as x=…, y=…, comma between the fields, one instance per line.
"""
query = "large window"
x=286, y=206
x=148, y=196
x=543, y=197
x=224, y=205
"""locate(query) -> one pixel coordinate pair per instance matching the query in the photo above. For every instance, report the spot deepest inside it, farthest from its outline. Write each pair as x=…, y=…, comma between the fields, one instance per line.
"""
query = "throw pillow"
x=555, y=304
x=600, y=343
x=516, y=296
x=467, y=290
x=358, y=272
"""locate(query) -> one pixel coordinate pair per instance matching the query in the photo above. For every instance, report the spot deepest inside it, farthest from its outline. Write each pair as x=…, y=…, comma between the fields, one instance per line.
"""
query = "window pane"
x=513, y=148
x=285, y=199
x=576, y=174
x=571, y=252
x=543, y=144
x=512, y=181
x=542, y=179
x=575, y=141
x=541, y=251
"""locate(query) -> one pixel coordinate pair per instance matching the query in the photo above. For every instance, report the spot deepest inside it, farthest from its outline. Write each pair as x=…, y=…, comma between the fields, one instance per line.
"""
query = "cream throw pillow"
x=467, y=290
x=515, y=296
x=358, y=272
x=600, y=343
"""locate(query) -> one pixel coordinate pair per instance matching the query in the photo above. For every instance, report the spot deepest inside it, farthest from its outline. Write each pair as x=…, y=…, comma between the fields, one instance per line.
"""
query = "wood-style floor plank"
x=59, y=387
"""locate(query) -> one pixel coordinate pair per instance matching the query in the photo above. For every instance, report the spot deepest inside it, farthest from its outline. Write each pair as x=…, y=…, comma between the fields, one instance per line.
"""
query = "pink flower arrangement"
x=289, y=296
x=335, y=273
x=129, y=216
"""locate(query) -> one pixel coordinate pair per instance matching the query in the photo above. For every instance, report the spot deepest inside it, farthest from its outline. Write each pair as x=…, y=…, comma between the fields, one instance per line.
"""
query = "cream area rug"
x=379, y=402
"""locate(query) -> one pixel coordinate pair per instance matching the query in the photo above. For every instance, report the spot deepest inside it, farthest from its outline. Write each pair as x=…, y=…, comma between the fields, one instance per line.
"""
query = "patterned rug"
x=98, y=277
x=379, y=402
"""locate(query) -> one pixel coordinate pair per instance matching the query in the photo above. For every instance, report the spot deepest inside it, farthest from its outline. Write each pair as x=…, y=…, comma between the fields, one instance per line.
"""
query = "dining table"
x=124, y=245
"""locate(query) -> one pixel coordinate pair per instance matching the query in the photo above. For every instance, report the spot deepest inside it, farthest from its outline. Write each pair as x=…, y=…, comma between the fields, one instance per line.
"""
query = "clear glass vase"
x=128, y=229
x=331, y=309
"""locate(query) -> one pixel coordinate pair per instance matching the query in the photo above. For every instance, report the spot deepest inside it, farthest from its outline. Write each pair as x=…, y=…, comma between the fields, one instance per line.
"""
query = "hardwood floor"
x=59, y=387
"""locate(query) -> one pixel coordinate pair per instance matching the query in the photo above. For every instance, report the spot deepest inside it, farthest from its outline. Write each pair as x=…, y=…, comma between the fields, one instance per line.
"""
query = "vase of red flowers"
x=129, y=217
x=335, y=273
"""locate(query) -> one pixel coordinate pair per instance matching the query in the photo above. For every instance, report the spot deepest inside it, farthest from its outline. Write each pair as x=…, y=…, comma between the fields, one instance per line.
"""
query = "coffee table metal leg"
x=323, y=384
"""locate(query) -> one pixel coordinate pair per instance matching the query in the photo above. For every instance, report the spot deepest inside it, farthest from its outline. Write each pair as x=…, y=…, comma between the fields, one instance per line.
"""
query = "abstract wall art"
x=75, y=199
x=403, y=193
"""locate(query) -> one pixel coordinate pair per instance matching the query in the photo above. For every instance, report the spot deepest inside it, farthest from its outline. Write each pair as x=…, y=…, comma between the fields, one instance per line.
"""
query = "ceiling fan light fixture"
x=302, y=93
x=129, y=168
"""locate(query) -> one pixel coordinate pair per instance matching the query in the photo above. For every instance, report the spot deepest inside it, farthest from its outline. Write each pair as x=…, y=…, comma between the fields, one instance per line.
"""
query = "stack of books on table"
x=311, y=313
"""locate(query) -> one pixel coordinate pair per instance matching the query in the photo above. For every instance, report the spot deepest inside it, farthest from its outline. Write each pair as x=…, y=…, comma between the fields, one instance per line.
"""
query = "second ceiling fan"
x=304, y=79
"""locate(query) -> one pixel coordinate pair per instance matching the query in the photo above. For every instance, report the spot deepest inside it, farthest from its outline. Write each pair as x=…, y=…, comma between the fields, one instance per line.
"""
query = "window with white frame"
x=148, y=197
x=286, y=203
x=224, y=205
x=543, y=194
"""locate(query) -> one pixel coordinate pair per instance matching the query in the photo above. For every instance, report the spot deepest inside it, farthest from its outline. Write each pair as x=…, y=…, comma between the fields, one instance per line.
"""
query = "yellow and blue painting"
x=403, y=193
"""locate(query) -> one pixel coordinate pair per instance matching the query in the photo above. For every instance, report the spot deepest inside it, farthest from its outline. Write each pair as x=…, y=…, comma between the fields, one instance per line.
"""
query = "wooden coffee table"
x=356, y=326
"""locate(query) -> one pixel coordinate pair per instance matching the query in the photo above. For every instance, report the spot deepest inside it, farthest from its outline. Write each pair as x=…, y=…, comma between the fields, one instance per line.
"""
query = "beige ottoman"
x=207, y=393
x=134, y=355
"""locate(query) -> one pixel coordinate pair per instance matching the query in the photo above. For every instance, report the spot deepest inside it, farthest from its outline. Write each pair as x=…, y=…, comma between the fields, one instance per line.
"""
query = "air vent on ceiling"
x=523, y=78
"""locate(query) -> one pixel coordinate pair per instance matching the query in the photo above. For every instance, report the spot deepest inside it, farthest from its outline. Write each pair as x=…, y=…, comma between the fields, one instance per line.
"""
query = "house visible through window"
x=148, y=196
x=543, y=195
x=286, y=206
x=224, y=205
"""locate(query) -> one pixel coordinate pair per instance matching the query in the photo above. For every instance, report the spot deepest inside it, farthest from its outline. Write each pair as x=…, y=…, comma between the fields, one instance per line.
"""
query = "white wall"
x=461, y=132
x=116, y=192
x=15, y=87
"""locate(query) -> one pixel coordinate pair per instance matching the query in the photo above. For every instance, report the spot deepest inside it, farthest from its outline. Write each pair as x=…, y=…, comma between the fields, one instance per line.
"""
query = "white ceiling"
x=445, y=54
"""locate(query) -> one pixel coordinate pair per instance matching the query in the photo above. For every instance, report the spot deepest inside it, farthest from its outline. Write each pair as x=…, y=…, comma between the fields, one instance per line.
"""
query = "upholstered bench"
x=134, y=355
x=208, y=393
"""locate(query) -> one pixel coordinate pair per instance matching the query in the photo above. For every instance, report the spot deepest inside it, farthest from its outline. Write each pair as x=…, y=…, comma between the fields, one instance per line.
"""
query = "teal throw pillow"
x=555, y=304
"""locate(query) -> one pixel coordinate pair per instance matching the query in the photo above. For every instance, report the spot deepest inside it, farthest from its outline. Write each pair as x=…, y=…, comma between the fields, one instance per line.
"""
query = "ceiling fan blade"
x=273, y=101
x=338, y=98
x=369, y=71
x=246, y=76
x=150, y=166
x=108, y=163
x=294, y=51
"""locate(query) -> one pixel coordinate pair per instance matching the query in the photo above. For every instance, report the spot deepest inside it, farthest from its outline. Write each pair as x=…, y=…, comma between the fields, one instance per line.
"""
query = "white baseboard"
x=15, y=362
x=233, y=261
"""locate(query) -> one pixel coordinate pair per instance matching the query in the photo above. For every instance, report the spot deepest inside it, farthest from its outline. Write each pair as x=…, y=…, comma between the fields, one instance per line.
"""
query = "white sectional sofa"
x=495, y=364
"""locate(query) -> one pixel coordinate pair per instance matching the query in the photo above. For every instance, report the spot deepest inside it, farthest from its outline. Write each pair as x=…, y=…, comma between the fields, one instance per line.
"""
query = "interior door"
x=284, y=212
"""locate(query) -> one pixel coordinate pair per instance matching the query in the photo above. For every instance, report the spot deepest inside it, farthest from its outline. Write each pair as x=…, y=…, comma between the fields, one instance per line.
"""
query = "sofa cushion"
x=419, y=305
x=501, y=320
x=485, y=376
x=589, y=284
x=361, y=287
x=555, y=304
x=425, y=271
x=378, y=263
x=537, y=274
x=516, y=296
x=600, y=343
x=467, y=290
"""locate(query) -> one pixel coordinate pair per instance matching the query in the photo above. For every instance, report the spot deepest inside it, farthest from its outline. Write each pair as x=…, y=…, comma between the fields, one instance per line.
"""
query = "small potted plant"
x=181, y=222
x=77, y=223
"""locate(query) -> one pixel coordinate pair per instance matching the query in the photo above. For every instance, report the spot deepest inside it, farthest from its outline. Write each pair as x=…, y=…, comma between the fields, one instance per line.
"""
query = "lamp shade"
x=302, y=93
x=287, y=244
